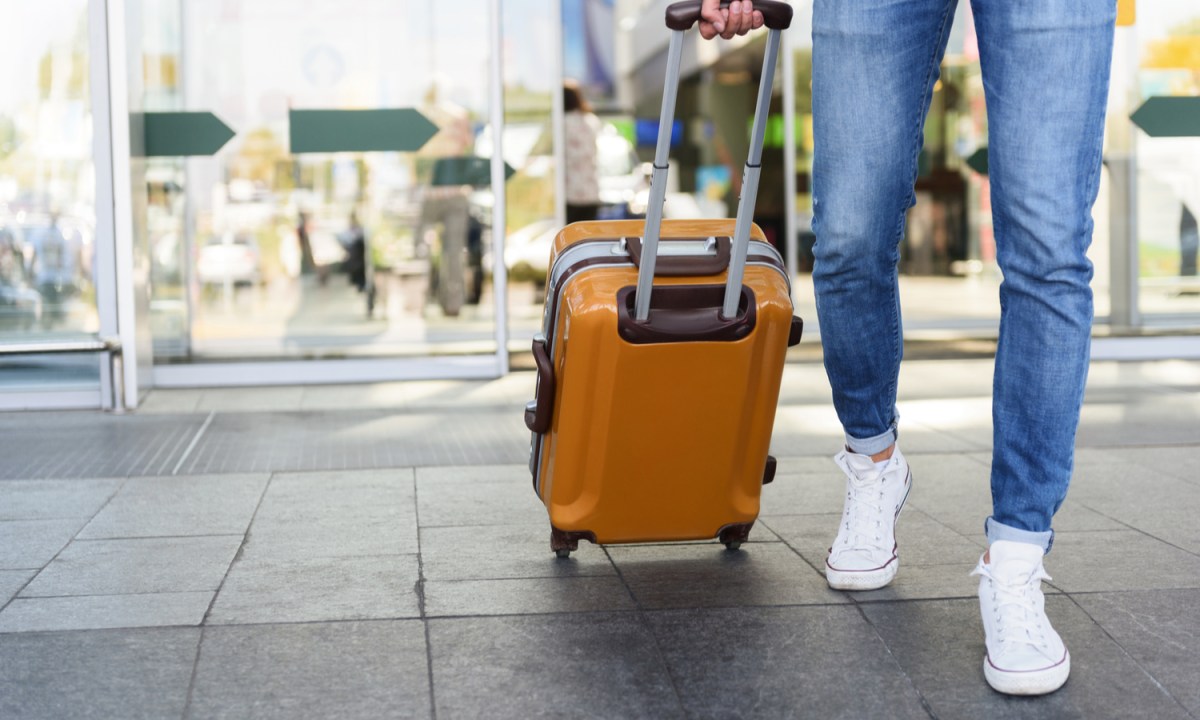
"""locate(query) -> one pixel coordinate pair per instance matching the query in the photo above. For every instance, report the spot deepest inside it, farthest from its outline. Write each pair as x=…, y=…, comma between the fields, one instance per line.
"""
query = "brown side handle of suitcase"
x=538, y=412
x=681, y=265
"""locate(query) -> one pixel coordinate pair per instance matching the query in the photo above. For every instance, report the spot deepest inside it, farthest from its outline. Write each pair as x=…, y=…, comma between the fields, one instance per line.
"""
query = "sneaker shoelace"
x=863, y=517
x=1018, y=618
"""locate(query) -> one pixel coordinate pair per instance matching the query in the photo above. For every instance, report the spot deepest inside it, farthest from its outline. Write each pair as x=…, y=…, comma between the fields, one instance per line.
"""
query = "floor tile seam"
x=225, y=625
x=714, y=544
x=637, y=604
x=187, y=704
x=236, y=556
x=925, y=704
x=581, y=576
x=1129, y=591
x=644, y=610
x=254, y=559
x=67, y=544
x=156, y=537
x=46, y=519
x=1150, y=676
x=1135, y=529
x=969, y=538
x=115, y=594
x=63, y=478
x=644, y=621
x=909, y=600
x=421, y=600
x=113, y=628
x=655, y=642
x=796, y=551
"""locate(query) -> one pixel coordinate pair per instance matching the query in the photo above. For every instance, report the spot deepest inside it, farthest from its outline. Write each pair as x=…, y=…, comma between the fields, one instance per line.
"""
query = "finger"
x=747, y=18
x=707, y=31
x=758, y=19
x=712, y=15
x=733, y=22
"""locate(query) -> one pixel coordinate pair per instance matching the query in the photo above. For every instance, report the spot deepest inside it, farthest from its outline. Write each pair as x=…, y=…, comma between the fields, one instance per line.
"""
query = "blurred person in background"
x=582, y=155
x=875, y=63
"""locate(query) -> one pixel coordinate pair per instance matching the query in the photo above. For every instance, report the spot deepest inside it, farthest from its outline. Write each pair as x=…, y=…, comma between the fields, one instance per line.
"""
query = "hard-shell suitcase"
x=659, y=365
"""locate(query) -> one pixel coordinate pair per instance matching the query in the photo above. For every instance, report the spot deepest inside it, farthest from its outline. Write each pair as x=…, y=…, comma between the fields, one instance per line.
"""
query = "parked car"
x=527, y=251
x=230, y=258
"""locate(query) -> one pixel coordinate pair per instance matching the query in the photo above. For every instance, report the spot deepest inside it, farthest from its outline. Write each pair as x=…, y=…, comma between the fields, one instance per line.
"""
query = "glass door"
x=47, y=207
x=340, y=227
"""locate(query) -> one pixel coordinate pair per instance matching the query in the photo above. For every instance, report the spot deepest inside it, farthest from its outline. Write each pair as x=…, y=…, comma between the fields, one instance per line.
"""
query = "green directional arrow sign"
x=1169, y=117
x=178, y=134
x=399, y=129
x=979, y=161
x=475, y=171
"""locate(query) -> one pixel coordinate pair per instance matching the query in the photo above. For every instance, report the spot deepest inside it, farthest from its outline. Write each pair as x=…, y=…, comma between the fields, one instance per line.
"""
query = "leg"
x=874, y=66
x=1045, y=70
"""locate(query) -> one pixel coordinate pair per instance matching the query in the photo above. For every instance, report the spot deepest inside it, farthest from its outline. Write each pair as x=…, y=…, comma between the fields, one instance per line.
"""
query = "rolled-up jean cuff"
x=873, y=445
x=996, y=530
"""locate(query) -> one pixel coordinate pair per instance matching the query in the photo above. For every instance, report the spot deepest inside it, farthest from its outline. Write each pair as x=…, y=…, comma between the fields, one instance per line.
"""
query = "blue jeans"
x=1045, y=67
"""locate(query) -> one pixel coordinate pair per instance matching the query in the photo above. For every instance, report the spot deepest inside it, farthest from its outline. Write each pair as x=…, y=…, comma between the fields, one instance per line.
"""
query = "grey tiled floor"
x=377, y=551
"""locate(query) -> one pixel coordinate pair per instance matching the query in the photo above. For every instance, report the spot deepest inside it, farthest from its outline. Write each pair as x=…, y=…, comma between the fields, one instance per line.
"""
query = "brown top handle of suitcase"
x=681, y=16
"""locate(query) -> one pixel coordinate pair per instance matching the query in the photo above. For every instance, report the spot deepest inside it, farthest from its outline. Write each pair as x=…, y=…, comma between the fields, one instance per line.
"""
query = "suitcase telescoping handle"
x=681, y=16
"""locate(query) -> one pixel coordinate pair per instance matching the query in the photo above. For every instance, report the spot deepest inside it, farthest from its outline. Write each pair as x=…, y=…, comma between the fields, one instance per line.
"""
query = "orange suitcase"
x=659, y=363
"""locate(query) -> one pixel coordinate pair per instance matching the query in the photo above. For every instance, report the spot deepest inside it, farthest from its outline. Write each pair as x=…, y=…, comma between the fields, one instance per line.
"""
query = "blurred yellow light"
x=1126, y=12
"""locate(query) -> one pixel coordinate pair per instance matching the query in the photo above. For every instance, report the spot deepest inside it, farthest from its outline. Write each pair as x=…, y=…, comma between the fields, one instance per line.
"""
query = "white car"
x=527, y=251
x=232, y=258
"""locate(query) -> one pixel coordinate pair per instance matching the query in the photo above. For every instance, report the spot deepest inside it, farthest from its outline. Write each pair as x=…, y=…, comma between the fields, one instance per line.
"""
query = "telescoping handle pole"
x=680, y=17
x=745, y=212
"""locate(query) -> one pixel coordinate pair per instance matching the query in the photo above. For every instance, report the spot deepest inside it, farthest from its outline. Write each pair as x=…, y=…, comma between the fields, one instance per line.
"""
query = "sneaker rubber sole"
x=868, y=579
x=1027, y=682
x=861, y=579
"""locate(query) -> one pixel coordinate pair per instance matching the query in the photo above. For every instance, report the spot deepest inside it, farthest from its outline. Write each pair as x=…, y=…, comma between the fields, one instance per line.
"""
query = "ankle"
x=885, y=455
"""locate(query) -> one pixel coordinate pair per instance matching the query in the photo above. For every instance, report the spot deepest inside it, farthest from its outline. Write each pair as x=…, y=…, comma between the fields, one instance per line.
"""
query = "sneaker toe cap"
x=1025, y=658
x=857, y=561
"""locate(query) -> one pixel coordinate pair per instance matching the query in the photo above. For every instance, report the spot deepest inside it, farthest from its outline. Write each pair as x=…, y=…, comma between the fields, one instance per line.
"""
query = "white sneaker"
x=1025, y=656
x=863, y=556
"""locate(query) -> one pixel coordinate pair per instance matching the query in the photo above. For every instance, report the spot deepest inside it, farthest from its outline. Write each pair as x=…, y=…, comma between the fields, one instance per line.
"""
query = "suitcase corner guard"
x=538, y=412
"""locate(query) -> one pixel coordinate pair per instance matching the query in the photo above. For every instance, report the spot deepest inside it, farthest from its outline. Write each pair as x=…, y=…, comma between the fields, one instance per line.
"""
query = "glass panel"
x=47, y=191
x=949, y=276
x=1168, y=168
x=260, y=252
x=529, y=95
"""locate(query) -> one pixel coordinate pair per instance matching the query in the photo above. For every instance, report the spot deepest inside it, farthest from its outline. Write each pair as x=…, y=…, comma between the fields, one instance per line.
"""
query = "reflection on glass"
x=47, y=206
x=1168, y=192
x=47, y=192
x=260, y=252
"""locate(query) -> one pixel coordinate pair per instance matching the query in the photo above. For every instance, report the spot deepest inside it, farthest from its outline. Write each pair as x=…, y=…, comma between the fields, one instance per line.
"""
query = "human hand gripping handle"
x=725, y=18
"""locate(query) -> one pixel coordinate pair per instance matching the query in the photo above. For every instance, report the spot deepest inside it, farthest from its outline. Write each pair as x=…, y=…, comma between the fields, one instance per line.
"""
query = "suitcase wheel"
x=563, y=543
x=734, y=535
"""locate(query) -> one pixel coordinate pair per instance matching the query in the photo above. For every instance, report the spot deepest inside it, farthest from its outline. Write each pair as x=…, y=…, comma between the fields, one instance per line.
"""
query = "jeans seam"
x=918, y=141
